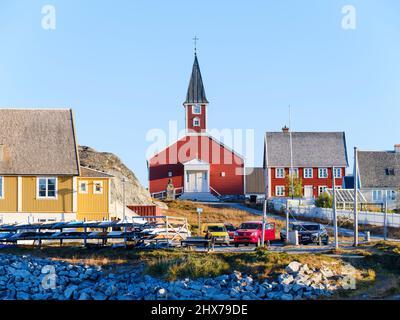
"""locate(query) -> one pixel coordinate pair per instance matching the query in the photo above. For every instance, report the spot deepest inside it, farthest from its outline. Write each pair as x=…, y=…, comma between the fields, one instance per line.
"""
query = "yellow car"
x=217, y=231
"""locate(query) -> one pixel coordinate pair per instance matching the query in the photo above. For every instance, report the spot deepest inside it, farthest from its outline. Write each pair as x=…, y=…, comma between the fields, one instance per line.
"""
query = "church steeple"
x=196, y=101
x=196, y=92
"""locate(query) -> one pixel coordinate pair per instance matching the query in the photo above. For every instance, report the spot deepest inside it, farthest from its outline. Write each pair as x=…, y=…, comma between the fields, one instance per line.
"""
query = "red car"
x=250, y=233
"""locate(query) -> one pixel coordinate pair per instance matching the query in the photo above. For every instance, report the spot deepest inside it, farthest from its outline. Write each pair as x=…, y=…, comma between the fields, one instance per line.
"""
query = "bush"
x=324, y=201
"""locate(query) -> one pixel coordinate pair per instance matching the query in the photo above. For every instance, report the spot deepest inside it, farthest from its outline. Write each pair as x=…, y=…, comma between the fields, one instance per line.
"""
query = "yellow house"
x=40, y=176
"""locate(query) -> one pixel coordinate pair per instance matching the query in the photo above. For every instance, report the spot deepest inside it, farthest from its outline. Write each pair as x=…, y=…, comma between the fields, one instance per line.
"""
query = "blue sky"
x=124, y=67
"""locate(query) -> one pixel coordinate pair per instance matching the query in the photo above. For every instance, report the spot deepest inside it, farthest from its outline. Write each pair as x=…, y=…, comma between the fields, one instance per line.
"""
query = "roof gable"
x=92, y=173
x=310, y=149
x=373, y=166
x=38, y=142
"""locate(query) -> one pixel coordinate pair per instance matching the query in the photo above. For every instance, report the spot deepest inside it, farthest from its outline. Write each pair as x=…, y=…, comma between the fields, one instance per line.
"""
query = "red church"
x=199, y=166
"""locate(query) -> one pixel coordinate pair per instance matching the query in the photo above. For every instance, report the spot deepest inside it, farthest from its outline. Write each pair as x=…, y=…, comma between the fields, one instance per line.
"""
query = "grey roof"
x=373, y=166
x=38, y=142
x=196, y=92
x=310, y=149
x=92, y=173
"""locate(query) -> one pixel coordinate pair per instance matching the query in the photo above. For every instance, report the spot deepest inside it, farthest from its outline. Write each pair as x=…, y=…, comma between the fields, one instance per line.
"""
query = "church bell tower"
x=196, y=102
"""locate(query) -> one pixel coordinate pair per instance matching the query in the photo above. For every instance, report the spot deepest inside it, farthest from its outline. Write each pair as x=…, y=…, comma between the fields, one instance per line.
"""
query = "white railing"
x=163, y=194
x=364, y=217
x=215, y=191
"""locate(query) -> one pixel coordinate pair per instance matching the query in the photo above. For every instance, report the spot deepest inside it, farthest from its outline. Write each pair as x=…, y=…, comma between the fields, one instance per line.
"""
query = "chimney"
x=285, y=129
x=397, y=148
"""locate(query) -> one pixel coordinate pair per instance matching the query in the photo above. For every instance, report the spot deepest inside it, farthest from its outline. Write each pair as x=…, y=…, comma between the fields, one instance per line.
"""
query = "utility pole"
x=263, y=223
x=291, y=176
x=124, y=199
x=385, y=233
x=335, y=225
x=355, y=197
x=124, y=208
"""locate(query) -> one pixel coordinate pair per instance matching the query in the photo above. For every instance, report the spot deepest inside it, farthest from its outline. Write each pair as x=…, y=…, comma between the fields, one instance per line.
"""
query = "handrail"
x=178, y=191
x=218, y=194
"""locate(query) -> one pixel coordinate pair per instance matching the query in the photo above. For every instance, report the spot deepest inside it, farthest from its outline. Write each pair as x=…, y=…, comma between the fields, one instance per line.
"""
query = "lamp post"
x=355, y=197
x=335, y=225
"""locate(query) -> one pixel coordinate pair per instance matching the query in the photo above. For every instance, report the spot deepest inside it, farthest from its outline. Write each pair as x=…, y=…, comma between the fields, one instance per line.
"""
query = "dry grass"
x=221, y=214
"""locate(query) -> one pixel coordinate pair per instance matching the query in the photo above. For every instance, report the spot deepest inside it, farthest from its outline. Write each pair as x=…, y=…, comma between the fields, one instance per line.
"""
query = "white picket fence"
x=364, y=217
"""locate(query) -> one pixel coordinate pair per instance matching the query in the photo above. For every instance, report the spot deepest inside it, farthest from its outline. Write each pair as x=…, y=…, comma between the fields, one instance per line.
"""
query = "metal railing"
x=163, y=194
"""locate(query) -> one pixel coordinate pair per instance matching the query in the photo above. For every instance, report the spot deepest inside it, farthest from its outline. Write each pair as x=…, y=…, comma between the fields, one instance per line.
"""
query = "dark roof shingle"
x=92, y=173
x=310, y=149
x=38, y=142
x=373, y=166
x=196, y=92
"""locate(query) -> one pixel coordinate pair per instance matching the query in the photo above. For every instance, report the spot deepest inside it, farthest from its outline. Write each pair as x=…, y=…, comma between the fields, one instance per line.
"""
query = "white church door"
x=197, y=181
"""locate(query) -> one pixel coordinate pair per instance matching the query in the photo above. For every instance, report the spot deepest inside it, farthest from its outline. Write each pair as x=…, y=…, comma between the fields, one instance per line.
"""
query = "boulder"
x=68, y=293
x=293, y=267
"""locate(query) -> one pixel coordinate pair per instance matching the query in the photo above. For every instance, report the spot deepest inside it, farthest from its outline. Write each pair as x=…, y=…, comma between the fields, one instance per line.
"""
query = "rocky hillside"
x=111, y=164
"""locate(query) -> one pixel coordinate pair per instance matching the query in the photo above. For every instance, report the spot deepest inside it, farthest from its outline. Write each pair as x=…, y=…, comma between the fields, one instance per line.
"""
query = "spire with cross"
x=195, y=39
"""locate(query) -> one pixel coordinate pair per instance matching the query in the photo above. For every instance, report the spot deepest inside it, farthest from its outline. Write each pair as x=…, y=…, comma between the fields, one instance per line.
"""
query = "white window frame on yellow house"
x=94, y=187
x=86, y=183
x=1, y=187
x=38, y=196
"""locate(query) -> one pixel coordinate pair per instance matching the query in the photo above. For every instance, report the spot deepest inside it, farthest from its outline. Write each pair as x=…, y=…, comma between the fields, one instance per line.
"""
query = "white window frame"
x=94, y=187
x=324, y=170
x=337, y=170
x=86, y=184
x=2, y=187
x=375, y=193
x=195, y=107
x=38, y=196
x=321, y=189
x=196, y=122
x=169, y=174
x=279, y=194
x=391, y=195
x=306, y=176
x=280, y=176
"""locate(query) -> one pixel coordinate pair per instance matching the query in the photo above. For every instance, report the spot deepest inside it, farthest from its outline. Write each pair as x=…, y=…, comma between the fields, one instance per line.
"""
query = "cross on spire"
x=195, y=39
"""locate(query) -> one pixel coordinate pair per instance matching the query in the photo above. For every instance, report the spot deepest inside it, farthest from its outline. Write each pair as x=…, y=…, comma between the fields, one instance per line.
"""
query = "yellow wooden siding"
x=63, y=203
x=93, y=206
x=9, y=201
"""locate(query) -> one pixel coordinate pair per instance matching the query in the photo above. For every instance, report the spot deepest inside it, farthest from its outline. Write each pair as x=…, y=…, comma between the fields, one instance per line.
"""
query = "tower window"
x=196, y=109
x=196, y=122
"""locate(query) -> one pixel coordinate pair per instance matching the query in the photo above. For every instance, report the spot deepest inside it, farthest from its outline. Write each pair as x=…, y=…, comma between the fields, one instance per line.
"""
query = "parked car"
x=250, y=233
x=308, y=232
x=217, y=231
x=231, y=231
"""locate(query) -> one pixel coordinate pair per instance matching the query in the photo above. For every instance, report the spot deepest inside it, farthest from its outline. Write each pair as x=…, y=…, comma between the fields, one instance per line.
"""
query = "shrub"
x=324, y=201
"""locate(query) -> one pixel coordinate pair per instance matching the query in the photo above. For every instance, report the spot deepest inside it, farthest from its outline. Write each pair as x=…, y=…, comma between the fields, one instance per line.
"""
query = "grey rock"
x=286, y=297
x=22, y=295
x=99, y=296
x=68, y=293
x=84, y=296
x=293, y=267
